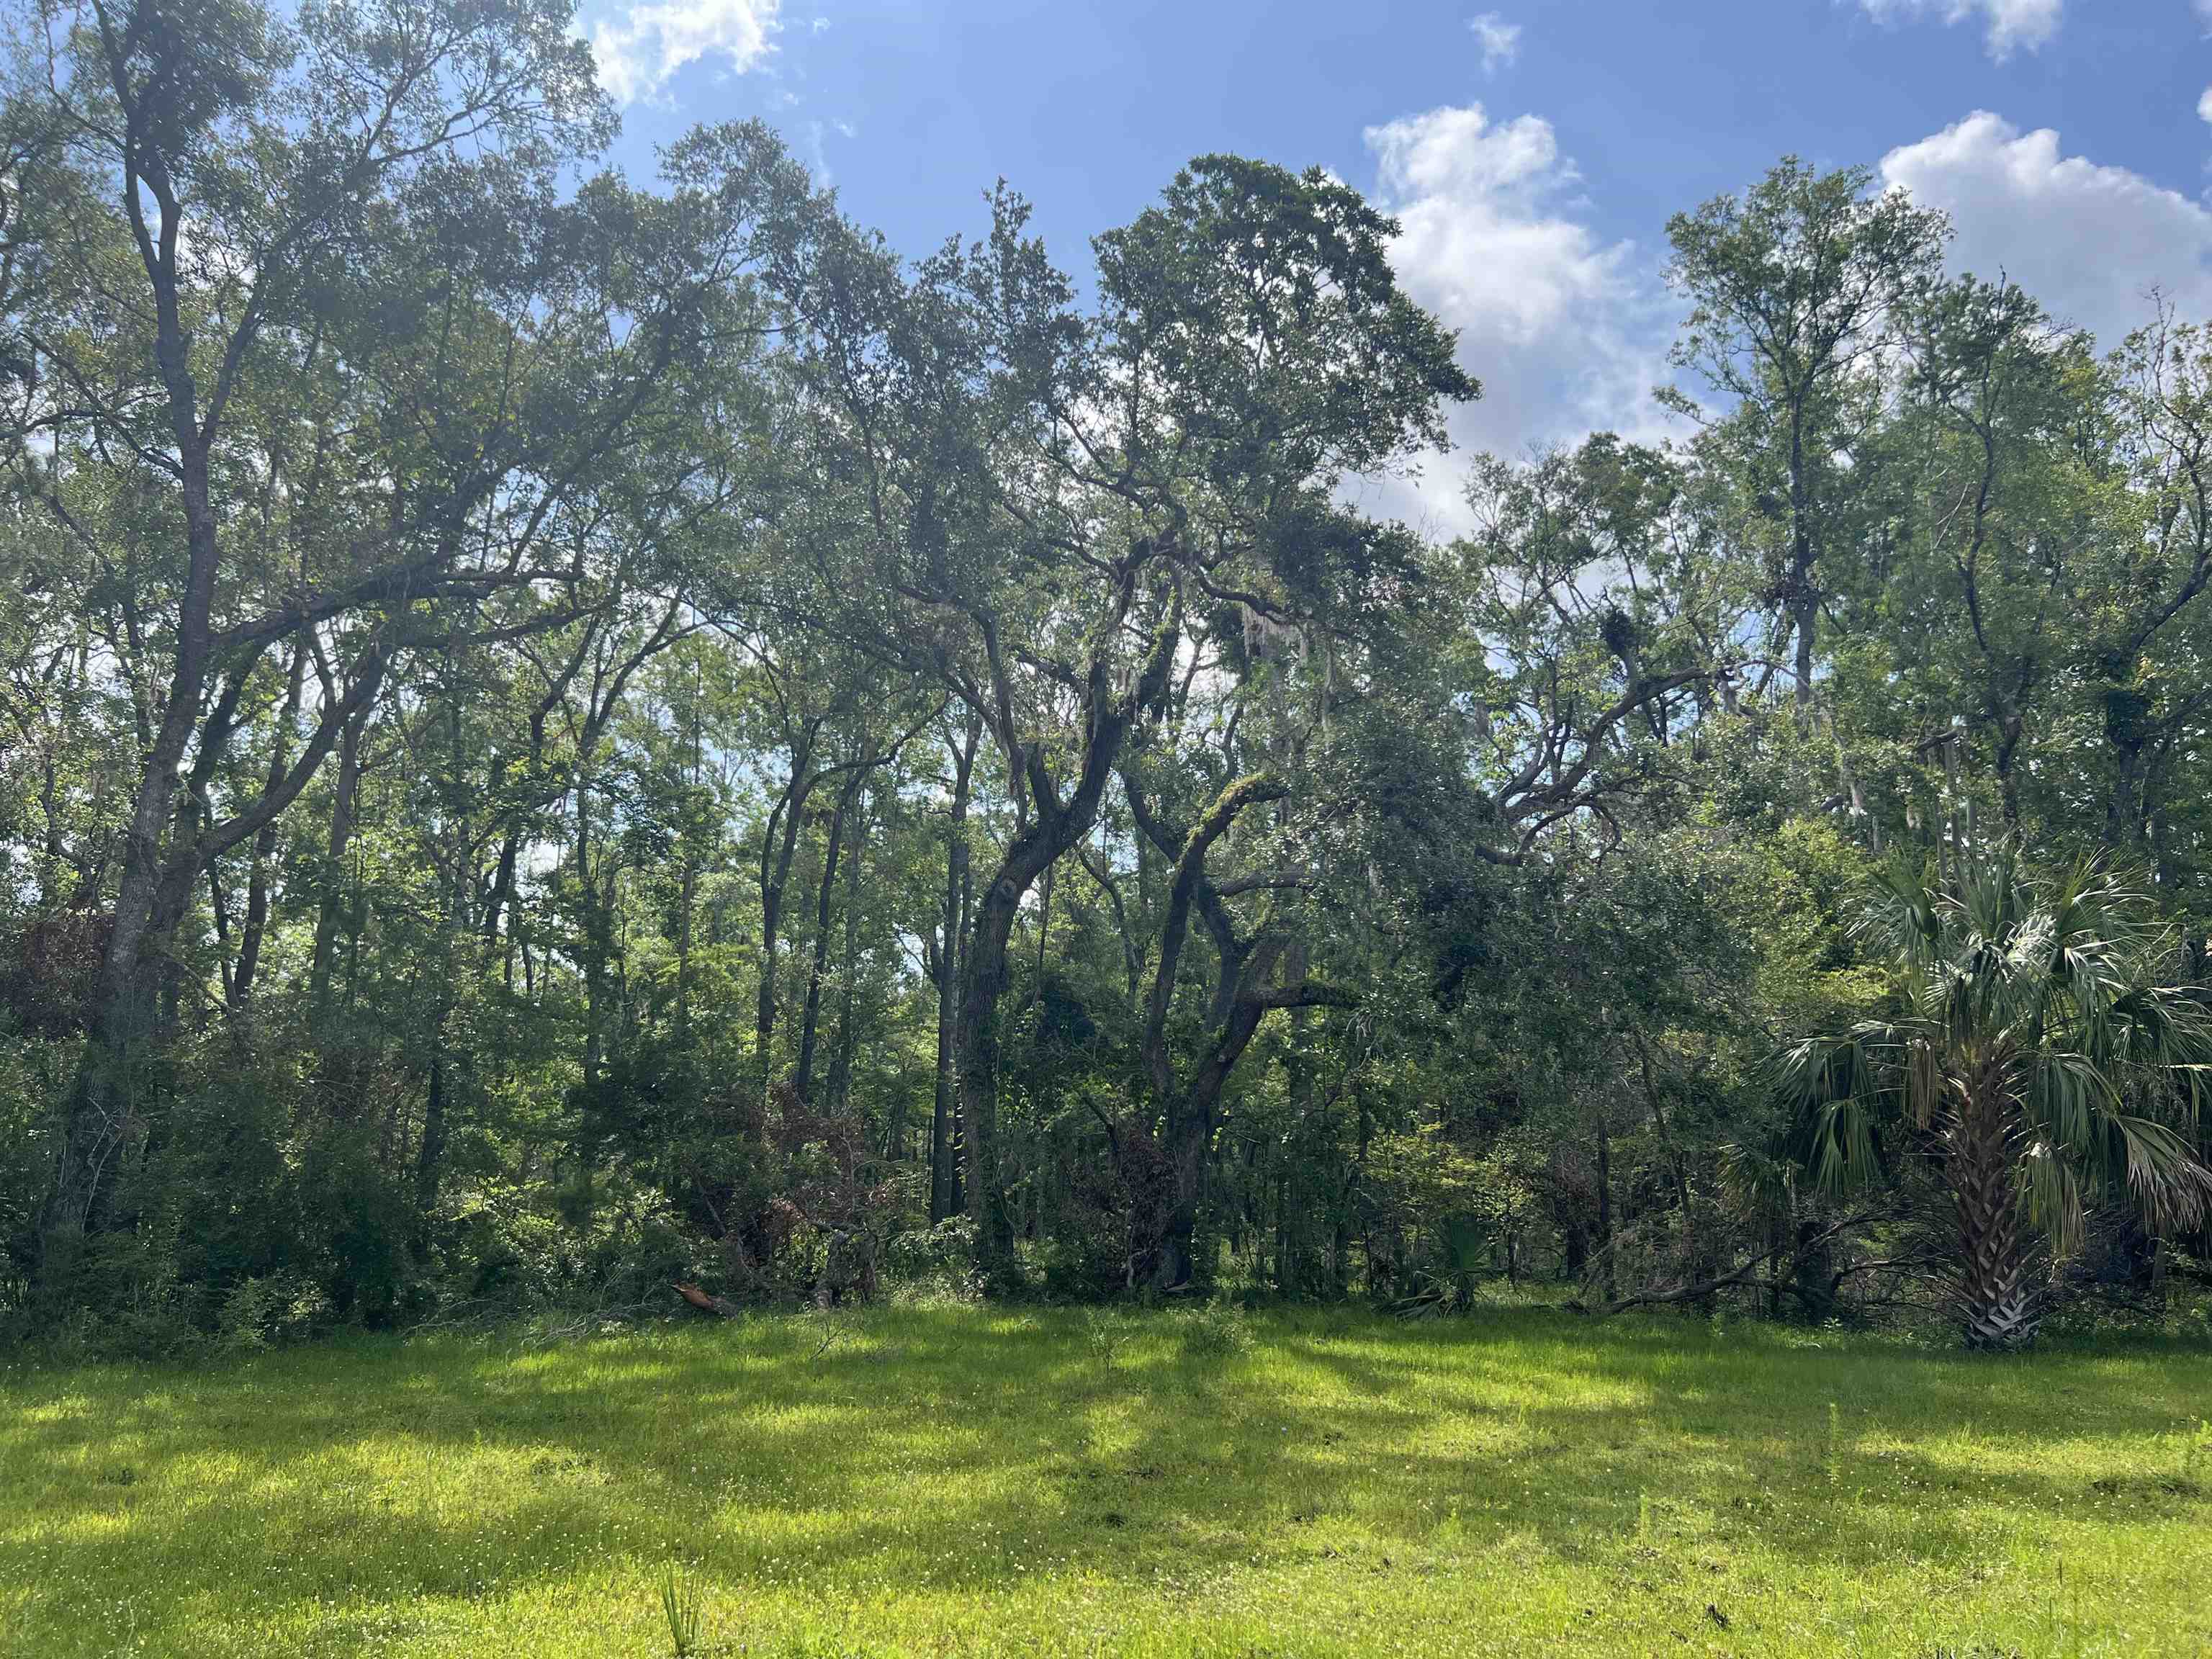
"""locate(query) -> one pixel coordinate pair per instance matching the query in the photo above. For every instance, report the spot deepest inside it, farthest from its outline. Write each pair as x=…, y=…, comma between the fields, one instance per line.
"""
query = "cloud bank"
x=2091, y=242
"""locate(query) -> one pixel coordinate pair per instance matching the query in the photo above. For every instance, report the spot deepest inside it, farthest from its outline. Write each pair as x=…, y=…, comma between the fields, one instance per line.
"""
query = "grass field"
x=971, y=1481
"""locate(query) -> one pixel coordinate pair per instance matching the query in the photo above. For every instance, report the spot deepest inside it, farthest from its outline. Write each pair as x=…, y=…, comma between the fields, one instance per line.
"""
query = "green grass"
x=977, y=1481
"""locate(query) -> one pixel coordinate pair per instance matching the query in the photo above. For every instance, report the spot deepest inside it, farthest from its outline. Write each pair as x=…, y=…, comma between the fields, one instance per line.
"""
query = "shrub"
x=1214, y=1331
x=935, y=1263
x=285, y=1307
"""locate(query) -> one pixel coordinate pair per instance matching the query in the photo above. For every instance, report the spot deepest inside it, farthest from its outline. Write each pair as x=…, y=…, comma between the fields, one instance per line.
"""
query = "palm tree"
x=2034, y=1056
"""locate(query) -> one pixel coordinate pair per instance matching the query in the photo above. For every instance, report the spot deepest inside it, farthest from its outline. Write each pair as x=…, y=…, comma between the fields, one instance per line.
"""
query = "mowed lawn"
x=981, y=1481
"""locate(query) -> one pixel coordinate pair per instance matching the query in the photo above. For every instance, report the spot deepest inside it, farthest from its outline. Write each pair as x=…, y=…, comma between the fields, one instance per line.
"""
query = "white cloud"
x=2012, y=23
x=1501, y=40
x=1566, y=332
x=2091, y=242
x=2204, y=103
x=817, y=155
x=638, y=52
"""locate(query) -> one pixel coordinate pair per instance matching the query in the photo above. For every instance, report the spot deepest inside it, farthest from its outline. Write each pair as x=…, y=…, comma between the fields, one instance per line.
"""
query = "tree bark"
x=1244, y=990
x=432, y=1152
x=943, y=1196
x=1995, y=1307
x=1189, y=1132
x=341, y=837
x=265, y=846
x=1693, y=1264
x=779, y=843
x=846, y=1051
x=1605, y=1210
x=594, y=941
x=810, y=1015
x=1054, y=826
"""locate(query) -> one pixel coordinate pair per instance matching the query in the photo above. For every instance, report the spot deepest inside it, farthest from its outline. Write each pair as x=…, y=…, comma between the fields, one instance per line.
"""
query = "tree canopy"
x=565, y=737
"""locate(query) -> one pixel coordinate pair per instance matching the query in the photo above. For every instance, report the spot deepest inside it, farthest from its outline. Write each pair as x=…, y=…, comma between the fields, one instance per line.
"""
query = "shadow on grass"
x=966, y=1451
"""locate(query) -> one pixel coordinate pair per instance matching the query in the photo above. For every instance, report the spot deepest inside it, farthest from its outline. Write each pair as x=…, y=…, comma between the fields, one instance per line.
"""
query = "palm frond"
x=2066, y=1097
x=2051, y=1195
x=2030, y=989
x=1903, y=918
x=2171, y=1187
x=1831, y=1088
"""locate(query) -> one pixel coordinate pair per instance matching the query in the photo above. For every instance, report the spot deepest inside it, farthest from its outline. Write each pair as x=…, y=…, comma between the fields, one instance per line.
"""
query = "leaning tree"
x=1049, y=497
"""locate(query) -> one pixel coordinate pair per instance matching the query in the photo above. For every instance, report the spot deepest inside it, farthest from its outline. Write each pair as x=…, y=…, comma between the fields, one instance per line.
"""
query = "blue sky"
x=1533, y=149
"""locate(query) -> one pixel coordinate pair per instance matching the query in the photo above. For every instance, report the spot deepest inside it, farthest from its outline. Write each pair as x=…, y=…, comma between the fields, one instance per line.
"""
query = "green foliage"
x=569, y=737
x=1215, y=1330
x=282, y=1307
x=1107, y=1333
x=2032, y=1045
x=940, y=1257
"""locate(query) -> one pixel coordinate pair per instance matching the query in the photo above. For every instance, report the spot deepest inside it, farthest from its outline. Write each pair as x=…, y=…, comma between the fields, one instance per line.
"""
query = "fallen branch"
x=1743, y=1273
x=706, y=1303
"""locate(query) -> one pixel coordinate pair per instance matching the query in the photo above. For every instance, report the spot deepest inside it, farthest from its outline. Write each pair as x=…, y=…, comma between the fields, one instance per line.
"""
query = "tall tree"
x=1049, y=491
x=307, y=293
x=1791, y=288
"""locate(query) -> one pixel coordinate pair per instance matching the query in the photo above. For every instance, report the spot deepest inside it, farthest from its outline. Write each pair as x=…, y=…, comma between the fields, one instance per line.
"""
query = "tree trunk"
x=983, y=978
x=1804, y=596
x=687, y=896
x=1054, y=829
x=241, y=988
x=1605, y=1212
x=1694, y=1268
x=433, y=1150
x=944, y=1199
x=341, y=836
x=986, y=971
x=848, y=1031
x=503, y=880
x=2127, y=737
x=958, y=1158
x=1813, y=1271
x=779, y=843
x=1173, y=1265
x=811, y=1017
x=2010, y=731
x=593, y=941
x=687, y=900
x=123, y=1023
x=1190, y=1130
x=1995, y=1307
x=1806, y=615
